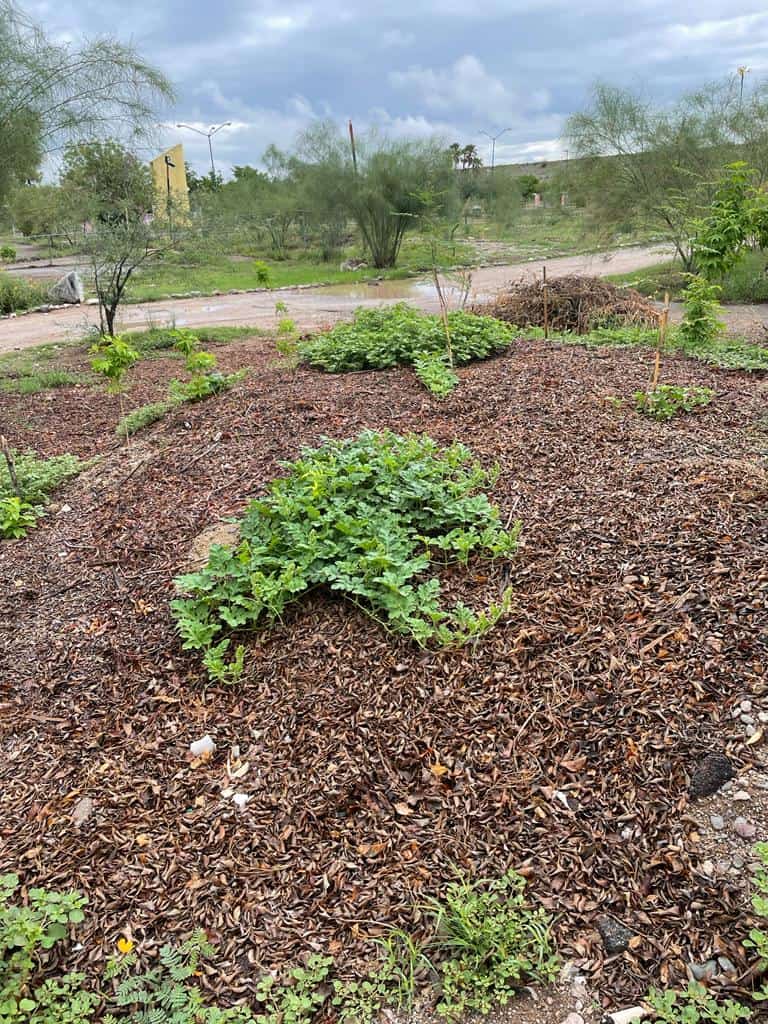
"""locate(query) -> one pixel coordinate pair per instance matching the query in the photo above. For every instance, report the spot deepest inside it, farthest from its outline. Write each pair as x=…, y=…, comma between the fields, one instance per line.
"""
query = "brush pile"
x=576, y=304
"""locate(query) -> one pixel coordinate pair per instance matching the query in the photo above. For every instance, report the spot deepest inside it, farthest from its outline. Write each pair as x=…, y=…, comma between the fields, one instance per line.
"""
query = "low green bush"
x=388, y=336
x=28, y=932
x=701, y=324
x=495, y=943
x=142, y=417
x=23, y=499
x=435, y=373
x=667, y=400
x=364, y=517
x=7, y=254
x=17, y=294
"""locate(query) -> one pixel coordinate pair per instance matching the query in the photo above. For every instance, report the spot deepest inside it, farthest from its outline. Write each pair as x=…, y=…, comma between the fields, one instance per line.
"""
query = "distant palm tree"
x=470, y=158
x=455, y=150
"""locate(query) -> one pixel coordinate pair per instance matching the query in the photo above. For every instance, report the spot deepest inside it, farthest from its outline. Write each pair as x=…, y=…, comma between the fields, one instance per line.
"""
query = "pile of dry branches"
x=572, y=303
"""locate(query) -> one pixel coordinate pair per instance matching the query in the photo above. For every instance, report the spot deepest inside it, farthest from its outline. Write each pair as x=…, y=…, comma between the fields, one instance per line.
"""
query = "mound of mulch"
x=562, y=744
x=573, y=303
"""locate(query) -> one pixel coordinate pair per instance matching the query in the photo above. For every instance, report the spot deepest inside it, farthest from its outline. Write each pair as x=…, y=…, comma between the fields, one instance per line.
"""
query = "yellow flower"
x=124, y=945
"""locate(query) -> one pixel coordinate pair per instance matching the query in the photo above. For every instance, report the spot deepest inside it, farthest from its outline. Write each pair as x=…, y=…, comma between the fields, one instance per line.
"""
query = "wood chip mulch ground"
x=569, y=734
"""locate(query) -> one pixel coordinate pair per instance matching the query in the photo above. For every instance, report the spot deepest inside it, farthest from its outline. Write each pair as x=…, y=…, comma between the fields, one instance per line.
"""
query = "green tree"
x=107, y=181
x=54, y=93
x=43, y=210
x=653, y=165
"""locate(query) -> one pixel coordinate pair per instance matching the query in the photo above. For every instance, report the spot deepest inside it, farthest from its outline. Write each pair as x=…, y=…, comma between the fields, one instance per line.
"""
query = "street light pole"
x=208, y=135
x=493, y=143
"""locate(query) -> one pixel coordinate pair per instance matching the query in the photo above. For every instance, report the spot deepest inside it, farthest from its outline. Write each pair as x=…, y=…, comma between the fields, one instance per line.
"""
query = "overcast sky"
x=414, y=67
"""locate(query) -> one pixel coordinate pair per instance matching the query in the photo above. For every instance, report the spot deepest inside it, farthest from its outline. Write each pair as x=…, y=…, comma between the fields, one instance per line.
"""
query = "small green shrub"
x=389, y=336
x=263, y=274
x=22, y=501
x=434, y=371
x=298, y=1001
x=28, y=932
x=695, y=1006
x=16, y=518
x=113, y=356
x=495, y=941
x=142, y=417
x=205, y=380
x=758, y=939
x=701, y=325
x=17, y=294
x=7, y=254
x=363, y=517
x=667, y=400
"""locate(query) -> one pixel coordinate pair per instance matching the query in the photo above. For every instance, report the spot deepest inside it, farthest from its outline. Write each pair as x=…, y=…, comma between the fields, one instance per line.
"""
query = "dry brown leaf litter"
x=568, y=734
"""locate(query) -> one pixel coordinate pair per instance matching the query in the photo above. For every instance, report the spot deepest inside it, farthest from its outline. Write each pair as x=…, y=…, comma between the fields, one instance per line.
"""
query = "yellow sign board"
x=170, y=178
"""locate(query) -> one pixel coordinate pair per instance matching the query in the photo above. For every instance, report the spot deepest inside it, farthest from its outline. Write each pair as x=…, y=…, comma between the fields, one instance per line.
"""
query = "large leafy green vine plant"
x=365, y=517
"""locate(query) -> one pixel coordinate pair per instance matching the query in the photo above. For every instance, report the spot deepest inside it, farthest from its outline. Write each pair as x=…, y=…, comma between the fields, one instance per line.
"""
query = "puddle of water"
x=382, y=290
x=369, y=292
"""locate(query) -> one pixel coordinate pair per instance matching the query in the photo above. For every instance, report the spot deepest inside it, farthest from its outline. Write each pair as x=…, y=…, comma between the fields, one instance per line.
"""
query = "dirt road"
x=310, y=307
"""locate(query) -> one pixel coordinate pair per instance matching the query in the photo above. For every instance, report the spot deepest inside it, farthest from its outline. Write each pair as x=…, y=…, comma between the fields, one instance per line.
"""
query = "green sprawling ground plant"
x=667, y=400
x=383, y=337
x=365, y=517
x=491, y=943
x=26, y=482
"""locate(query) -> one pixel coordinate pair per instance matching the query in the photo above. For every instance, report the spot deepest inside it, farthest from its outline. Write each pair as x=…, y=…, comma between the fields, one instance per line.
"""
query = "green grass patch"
x=723, y=354
x=32, y=370
x=227, y=273
x=655, y=281
x=40, y=380
x=163, y=339
x=19, y=293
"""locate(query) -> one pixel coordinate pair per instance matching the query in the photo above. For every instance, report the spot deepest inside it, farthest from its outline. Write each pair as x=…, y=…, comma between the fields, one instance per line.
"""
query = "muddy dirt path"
x=310, y=307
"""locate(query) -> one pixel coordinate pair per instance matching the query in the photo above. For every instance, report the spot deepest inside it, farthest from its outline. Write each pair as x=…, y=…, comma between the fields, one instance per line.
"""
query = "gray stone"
x=744, y=828
x=68, y=289
x=627, y=1016
x=703, y=972
x=717, y=822
x=710, y=775
x=615, y=935
x=82, y=810
x=726, y=965
x=746, y=705
x=742, y=796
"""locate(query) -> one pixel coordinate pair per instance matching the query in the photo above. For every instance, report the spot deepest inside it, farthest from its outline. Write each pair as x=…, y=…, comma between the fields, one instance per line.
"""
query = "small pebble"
x=627, y=1016
x=744, y=828
x=82, y=810
x=738, y=863
x=747, y=719
x=703, y=972
x=746, y=705
x=708, y=868
x=574, y=1018
x=726, y=965
x=717, y=822
x=742, y=795
x=762, y=716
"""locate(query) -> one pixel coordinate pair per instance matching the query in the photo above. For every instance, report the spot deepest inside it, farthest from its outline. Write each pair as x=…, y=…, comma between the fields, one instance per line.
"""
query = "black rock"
x=615, y=936
x=709, y=775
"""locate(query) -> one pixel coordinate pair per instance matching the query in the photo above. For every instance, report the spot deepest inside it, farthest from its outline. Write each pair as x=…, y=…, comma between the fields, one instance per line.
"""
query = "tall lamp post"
x=741, y=71
x=493, y=143
x=208, y=135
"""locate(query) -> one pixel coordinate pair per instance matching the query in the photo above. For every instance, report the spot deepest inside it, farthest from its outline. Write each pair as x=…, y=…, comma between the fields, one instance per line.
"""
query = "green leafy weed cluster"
x=364, y=517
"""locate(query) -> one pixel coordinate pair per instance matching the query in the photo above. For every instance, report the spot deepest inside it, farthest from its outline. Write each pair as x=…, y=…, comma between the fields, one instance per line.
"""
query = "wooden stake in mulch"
x=11, y=466
x=663, y=322
x=546, y=307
